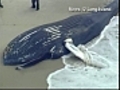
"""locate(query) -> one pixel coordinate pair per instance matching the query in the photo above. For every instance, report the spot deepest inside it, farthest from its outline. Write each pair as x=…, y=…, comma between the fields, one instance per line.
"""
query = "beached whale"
x=47, y=41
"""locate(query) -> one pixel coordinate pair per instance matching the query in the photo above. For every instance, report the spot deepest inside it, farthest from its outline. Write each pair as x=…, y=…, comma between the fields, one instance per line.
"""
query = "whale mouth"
x=12, y=62
x=9, y=59
x=12, y=59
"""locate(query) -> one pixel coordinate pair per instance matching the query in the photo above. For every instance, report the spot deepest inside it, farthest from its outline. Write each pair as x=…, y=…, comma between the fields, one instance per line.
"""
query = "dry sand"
x=17, y=17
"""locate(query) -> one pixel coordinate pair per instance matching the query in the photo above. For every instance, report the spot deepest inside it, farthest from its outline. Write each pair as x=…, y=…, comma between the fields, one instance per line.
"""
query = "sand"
x=17, y=17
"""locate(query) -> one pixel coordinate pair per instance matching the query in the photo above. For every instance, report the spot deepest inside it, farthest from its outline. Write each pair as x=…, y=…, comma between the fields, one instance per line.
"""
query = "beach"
x=16, y=17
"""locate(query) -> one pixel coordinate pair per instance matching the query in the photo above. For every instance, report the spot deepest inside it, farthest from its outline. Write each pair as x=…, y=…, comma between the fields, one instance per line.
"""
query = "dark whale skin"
x=47, y=41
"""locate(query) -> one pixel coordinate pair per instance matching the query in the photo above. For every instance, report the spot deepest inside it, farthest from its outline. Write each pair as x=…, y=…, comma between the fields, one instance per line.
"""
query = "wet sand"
x=17, y=17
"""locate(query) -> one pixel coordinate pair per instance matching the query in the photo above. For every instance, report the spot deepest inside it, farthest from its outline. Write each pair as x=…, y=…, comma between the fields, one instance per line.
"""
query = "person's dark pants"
x=1, y=4
x=35, y=4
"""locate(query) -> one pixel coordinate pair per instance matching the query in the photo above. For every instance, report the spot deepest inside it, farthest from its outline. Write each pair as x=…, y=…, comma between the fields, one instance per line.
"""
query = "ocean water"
x=77, y=74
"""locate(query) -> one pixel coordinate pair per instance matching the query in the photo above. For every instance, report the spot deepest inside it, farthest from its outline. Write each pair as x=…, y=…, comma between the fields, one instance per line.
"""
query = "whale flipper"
x=83, y=54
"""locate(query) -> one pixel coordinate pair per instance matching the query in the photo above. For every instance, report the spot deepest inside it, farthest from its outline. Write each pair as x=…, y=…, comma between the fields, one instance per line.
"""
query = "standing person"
x=35, y=4
x=1, y=4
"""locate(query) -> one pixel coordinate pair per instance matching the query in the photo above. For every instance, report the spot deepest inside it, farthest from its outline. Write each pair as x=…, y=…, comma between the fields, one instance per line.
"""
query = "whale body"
x=47, y=41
